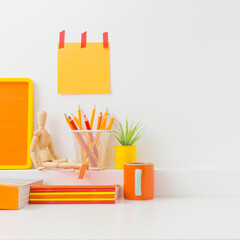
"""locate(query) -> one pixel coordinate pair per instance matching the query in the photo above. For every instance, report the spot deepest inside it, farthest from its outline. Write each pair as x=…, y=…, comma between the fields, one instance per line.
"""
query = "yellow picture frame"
x=13, y=93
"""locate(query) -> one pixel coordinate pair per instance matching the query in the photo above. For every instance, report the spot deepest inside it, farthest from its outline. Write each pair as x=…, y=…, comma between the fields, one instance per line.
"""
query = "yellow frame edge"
x=30, y=122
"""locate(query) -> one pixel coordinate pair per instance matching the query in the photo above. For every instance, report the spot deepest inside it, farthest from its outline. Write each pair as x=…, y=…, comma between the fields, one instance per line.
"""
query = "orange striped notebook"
x=73, y=194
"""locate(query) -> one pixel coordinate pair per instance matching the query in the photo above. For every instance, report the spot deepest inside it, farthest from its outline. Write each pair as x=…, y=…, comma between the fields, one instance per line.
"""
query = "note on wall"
x=83, y=68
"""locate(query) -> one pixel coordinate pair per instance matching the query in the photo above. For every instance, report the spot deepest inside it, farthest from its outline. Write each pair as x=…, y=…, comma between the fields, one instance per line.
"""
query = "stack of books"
x=74, y=194
x=14, y=193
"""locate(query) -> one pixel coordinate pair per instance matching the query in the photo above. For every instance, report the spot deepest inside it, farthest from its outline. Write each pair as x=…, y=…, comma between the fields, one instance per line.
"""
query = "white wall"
x=175, y=65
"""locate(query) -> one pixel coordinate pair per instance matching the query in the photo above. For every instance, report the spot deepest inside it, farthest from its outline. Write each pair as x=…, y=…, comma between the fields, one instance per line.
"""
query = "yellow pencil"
x=92, y=118
x=80, y=118
x=111, y=123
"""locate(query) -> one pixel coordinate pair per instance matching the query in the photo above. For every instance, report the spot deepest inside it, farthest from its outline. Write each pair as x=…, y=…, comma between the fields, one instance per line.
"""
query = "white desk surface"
x=161, y=218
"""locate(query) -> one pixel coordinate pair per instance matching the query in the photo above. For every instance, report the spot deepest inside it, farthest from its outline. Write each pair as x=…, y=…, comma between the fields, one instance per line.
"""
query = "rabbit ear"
x=105, y=40
x=61, y=39
x=84, y=39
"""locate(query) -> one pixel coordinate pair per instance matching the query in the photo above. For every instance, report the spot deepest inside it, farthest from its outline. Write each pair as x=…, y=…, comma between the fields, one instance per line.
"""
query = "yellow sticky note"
x=84, y=70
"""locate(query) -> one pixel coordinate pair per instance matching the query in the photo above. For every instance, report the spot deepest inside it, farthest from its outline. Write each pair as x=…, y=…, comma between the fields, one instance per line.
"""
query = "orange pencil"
x=106, y=113
x=111, y=123
x=99, y=121
x=80, y=118
x=92, y=117
x=103, y=125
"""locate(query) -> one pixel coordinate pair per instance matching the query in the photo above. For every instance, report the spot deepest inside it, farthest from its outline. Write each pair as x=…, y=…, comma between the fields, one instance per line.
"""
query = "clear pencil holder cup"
x=91, y=146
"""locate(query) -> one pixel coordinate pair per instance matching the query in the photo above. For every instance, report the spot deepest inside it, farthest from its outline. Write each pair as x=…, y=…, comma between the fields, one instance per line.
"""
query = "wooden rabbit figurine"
x=46, y=157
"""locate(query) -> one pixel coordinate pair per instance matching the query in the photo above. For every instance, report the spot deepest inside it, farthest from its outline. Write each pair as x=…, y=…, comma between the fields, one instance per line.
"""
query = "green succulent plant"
x=131, y=134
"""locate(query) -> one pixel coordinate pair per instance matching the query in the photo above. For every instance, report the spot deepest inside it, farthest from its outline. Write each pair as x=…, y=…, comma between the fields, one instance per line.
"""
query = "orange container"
x=138, y=181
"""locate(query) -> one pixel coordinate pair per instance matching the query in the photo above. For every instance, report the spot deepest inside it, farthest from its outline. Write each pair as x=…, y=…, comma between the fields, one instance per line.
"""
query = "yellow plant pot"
x=124, y=154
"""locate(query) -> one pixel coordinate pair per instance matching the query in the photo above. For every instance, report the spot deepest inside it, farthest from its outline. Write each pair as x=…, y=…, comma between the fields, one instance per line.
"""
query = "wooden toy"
x=46, y=157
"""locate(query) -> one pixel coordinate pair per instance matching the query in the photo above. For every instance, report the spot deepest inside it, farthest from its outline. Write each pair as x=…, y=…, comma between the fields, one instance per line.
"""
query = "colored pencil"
x=87, y=123
x=106, y=113
x=110, y=124
x=103, y=125
x=92, y=117
x=73, y=123
x=76, y=120
x=80, y=118
x=99, y=121
x=68, y=121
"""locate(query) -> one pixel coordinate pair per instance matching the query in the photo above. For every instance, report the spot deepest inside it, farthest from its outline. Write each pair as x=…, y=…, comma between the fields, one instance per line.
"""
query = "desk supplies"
x=16, y=122
x=90, y=144
x=14, y=194
x=138, y=181
x=81, y=142
x=67, y=194
x=93, y=77
x=95, y=151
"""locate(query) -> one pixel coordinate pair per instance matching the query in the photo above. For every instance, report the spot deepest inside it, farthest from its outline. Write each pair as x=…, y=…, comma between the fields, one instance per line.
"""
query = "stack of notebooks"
x=74, y=194
x=14, y=193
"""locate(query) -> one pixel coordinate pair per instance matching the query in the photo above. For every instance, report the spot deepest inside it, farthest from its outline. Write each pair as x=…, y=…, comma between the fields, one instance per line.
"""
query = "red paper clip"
x=105, y=40
x=84, y=40
x=61, y=39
